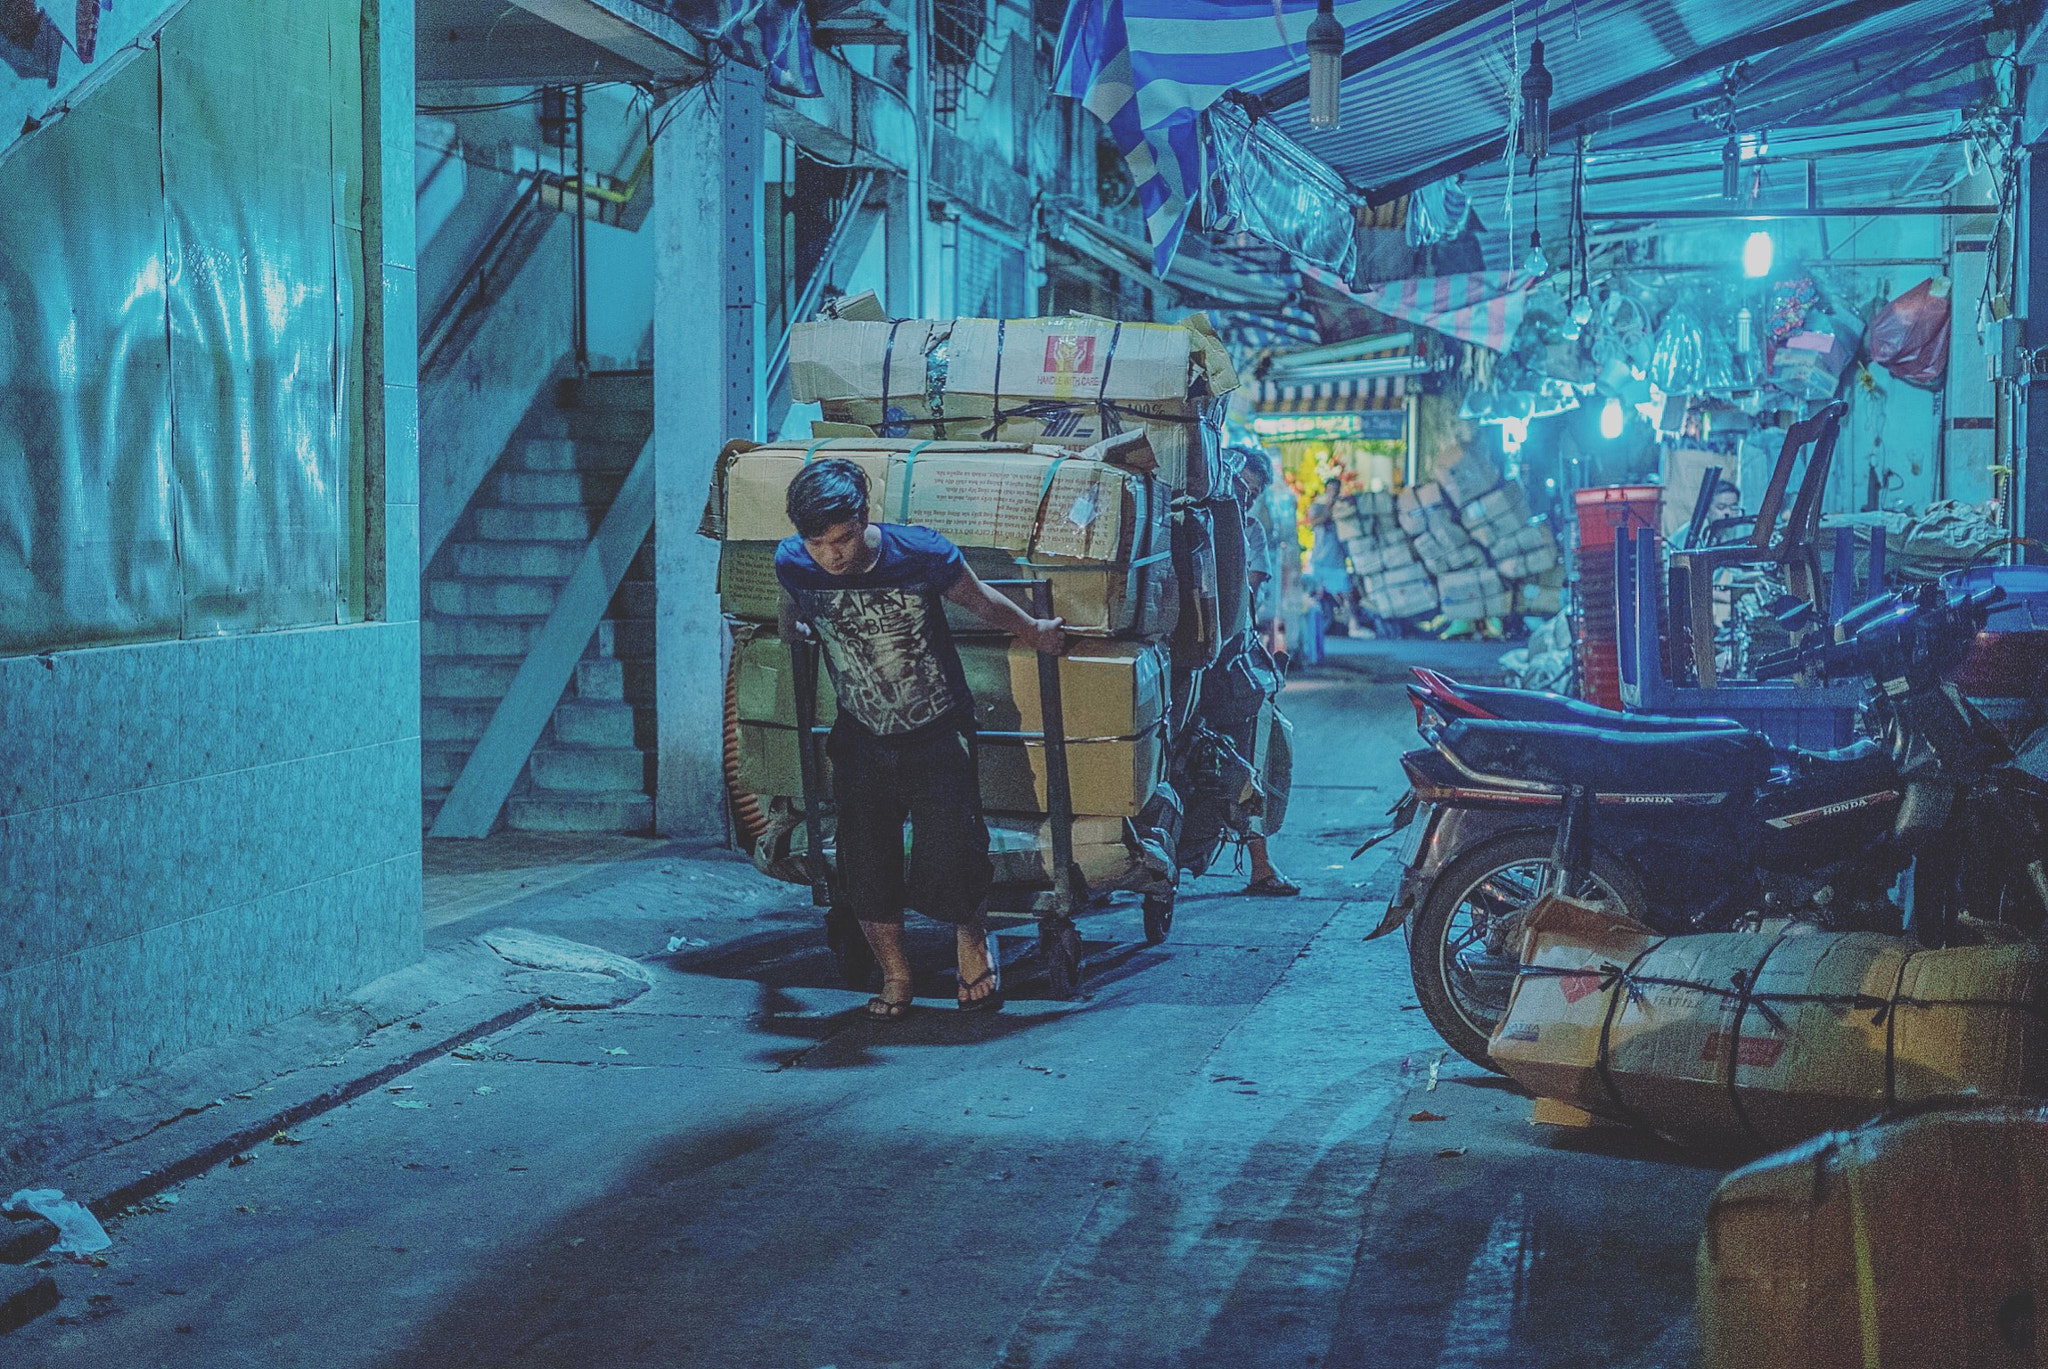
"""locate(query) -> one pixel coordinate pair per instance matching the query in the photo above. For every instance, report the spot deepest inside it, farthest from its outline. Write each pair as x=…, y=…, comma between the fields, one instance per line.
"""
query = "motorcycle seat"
x=1528, y=705
x=1719, y=761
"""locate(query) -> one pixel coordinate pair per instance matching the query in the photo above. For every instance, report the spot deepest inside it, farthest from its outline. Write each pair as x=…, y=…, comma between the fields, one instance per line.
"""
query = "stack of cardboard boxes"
x=1464, y=544
x=1047, y=449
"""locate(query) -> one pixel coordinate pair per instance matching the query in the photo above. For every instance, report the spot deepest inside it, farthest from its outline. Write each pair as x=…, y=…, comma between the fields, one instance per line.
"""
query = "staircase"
x=495, y=581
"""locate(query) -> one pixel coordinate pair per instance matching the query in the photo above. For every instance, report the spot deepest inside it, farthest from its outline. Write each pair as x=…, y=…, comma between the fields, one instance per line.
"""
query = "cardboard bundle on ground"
x=1099, y=532
x=1913, y=1245
x=1369, y=556
x=1474, y=593
x=1464, y=474
x=1749, y=1039
x=1525, y=553
x=1400, y=592
x=1070, y=381
x=1497, y=514
x=1543, y=596
x=1113, y=697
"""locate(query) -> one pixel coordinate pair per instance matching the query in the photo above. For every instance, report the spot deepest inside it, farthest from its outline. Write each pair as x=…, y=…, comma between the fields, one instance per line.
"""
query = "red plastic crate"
x=1606, y=509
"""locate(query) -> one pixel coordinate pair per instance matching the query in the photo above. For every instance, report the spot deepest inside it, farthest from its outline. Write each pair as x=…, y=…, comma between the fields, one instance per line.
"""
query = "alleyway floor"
x=1209, y=1160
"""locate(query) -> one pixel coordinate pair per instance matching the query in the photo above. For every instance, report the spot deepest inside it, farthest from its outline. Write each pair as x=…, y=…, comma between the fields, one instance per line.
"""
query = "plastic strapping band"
x=1044, y=495
x=1102, y=390
x=909, y=468
x=811, y=452
x=1866, y=1272
x=1746, y=983
x=995, y=400
x=888, y=357
x=1620, y=993
x=1891, y=1039
x=1156, y=556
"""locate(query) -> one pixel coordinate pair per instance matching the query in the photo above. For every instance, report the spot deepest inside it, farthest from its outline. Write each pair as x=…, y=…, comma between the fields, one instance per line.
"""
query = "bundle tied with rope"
x=1752, y=1040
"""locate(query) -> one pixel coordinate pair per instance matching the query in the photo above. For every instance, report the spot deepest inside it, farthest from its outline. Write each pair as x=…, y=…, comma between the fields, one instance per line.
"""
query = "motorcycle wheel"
x=1464, y=995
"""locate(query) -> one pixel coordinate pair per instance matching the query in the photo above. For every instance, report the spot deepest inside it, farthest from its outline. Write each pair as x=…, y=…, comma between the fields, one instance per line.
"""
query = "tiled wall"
x=200, y=837
x=196, y=838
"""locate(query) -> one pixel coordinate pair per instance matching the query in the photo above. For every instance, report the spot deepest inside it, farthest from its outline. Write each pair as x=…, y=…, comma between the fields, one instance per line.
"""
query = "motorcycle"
x=1700, y=825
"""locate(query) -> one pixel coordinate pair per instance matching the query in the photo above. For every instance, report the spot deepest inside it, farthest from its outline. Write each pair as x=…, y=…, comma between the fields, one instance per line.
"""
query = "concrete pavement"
x=1208, y=1160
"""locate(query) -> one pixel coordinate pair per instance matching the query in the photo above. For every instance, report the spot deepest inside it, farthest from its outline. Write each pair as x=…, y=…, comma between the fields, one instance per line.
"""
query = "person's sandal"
x=1275, y=885
x=885, y=1009
x=988, y=1002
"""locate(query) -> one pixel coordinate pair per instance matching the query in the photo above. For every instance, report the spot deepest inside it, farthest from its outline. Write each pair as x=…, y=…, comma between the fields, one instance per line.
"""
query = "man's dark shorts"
x=933, y=782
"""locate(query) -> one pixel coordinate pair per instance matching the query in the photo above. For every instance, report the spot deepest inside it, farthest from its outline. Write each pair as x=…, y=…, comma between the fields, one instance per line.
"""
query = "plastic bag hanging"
x=1909, y=336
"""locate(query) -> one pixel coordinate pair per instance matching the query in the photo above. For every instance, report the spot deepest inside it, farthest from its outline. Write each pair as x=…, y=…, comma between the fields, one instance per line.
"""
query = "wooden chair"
x=1793, y=545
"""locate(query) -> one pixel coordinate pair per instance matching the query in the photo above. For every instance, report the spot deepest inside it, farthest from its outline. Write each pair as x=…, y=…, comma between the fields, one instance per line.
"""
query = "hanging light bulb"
x=1536, y=88
x=1325, y=66
x=1757, y=254
x=1536, y=264
x=1731, y=169
x=1745, y=332
x=1612, y=420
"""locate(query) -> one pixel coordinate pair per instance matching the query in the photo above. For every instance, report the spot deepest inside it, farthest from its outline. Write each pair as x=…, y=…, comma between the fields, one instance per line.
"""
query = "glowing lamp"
x=1325, y=66
x=1612, y=420
x=1757, y=254
x=1536, y=88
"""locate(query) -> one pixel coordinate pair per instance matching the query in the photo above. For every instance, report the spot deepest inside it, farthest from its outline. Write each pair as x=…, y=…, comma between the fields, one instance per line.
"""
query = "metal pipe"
x=1879, y=211
x=582, y=292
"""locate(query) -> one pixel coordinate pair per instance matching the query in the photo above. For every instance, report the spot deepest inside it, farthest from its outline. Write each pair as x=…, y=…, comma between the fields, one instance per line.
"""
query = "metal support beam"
x=1826, y=211
x=2030, y=455
x=707, y=210
x=1385, y=48
x=640, y=33
x=1568, y=120
x=488, y=776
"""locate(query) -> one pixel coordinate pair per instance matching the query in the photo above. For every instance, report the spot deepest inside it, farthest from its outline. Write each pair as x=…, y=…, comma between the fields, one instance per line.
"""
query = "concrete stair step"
x=508, y=638
x=628, y=426
x=526, y=524
x=632, y=638
x=590, y=769
x=461, y=679
x=560, y=451
x=441, y=763
x=628, y=390
x=517, y=560
x=595, y=722
x=567, y=489
x=609, y=678
x=587, y=813
x=461, y=722
x=486, y=598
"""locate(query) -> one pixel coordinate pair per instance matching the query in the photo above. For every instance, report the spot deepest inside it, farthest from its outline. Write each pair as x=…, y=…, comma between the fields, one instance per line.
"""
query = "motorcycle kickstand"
x=1569, y=855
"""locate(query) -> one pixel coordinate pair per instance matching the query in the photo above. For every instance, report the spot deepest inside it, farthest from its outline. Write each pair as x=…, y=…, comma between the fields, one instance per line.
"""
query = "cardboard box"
x=1464, y=474
x=1412, y=506
x=1072, y=381
x=1914, y=1243
x=1507, y=506
x=1534, y=597
x=1099, y=532
x=1686, y=1052
x=1107, y=689
x=1107, y=778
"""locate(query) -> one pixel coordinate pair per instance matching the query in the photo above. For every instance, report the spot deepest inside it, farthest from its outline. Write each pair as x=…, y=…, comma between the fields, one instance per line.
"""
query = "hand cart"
x=1054, y=909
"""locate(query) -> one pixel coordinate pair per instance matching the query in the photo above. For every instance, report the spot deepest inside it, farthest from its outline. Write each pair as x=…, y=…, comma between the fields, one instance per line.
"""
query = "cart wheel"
x=1158, y=917
x=850, y=948
x=1061, y=945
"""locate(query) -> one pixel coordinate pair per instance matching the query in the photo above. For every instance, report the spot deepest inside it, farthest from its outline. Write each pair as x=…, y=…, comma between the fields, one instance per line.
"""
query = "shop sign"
x=1375, y=425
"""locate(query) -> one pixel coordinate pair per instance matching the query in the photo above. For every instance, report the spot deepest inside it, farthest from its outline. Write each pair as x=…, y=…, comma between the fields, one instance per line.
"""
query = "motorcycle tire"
x=1609, y=879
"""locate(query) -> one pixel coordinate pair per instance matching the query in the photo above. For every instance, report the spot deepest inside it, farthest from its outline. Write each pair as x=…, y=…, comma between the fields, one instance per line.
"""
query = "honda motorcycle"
x=1700, y=825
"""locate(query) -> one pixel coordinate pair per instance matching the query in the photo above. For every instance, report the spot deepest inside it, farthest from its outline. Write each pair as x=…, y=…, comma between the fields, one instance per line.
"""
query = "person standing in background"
x=1263, y=563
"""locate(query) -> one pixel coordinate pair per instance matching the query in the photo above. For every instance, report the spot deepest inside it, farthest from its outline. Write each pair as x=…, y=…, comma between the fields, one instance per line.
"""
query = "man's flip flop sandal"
x=988, y=1002
x=888, y=1009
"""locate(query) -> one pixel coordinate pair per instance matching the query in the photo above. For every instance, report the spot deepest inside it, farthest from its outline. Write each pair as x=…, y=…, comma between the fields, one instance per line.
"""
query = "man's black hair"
x=826, y=494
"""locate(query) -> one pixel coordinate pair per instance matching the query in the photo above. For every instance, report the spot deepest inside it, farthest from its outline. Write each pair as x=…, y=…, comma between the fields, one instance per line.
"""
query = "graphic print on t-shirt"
x=886, y=668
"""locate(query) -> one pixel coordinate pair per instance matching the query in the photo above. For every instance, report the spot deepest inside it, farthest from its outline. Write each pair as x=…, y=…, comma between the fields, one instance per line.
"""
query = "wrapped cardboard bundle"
x=1233, y=589
x=1097, y=531
x=1506, y=507
x=1538, y=599
x=1913, y=1244
x=1464, y=474
x=1401, y=592
x=1071, y=381
x=1020, y=848
x=1113, y=696
x=1377, y=504
x=1445, y=549
x=1198, y=632
x=1413, y=507
x=1746, y=1038
x=1475, y=593
x=1529, y=552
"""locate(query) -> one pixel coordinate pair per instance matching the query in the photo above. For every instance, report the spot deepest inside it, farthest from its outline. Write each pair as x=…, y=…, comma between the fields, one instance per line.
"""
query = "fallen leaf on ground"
x=485, y=1089
x=1427, y=1117
x=238, y=1161
x=1450, y=1154
x=285, y=1138
x=616, y=1050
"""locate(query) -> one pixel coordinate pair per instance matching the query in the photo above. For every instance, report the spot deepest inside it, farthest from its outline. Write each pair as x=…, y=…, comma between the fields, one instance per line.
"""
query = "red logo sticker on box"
x=1069, y=356
x=1577, y=986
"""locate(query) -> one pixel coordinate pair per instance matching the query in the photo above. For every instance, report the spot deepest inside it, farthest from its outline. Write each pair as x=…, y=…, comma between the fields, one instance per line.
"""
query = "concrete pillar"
x=707, y=177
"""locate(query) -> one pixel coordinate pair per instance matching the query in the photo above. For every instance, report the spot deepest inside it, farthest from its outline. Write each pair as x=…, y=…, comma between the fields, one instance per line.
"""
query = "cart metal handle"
x=1059, y=793
x=805, y=663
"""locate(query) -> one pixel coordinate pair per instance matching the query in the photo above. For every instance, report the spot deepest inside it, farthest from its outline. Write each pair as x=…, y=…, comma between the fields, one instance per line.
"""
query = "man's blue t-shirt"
x=894, y=667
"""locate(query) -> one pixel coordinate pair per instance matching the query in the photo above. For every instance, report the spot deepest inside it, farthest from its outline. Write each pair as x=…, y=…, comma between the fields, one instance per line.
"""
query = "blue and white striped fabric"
x=1148, y=68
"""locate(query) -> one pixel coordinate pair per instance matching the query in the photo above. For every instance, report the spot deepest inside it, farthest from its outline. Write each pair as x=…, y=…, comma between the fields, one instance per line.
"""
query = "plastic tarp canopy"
x=180, y=339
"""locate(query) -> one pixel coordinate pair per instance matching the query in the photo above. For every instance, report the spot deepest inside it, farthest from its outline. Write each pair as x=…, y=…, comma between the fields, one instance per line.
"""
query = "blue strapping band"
x=811, y=452
x=909, y=466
